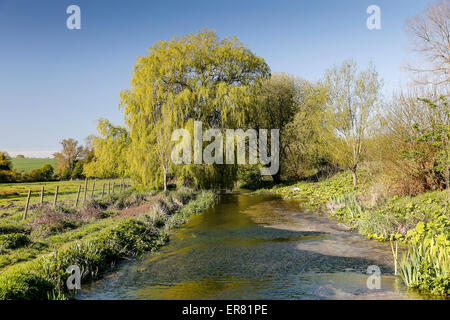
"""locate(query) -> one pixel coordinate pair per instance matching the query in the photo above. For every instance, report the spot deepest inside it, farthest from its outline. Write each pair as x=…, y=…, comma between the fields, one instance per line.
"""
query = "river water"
x=256, y=247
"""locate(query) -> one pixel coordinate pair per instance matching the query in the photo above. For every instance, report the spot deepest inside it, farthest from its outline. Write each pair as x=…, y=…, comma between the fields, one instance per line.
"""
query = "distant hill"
x=27, y=164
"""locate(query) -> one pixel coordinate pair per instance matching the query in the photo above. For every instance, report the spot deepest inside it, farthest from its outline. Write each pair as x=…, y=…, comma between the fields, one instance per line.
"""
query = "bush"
x=77, y=172
x=13, y=240
x=250, y=177
x=53, y=220
x=401, y=214
x=8, y=176
x=47, y=172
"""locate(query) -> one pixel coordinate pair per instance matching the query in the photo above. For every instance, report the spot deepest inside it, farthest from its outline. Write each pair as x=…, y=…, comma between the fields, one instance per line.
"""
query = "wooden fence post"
x=42, y=196
x=85, y=190
x=103, y=190
x=56, y=196
x=92, y=192
x=78, y=195
x=27, y=204
x=109, y=187
x=114, y=183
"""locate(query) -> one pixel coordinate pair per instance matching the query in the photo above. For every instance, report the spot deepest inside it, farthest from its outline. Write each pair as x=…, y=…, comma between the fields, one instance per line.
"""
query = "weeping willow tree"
x=196, y=77
x=110, y=152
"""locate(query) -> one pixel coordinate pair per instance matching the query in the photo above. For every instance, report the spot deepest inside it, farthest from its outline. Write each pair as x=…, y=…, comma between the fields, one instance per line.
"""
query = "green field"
x=27, y=164
x=13, y=195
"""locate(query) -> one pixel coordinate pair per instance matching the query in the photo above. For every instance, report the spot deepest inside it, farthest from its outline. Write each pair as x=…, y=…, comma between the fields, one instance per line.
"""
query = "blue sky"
x=55, y=83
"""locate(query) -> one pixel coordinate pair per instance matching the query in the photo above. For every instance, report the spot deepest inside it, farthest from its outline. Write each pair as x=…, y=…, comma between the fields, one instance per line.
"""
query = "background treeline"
x=69, y=164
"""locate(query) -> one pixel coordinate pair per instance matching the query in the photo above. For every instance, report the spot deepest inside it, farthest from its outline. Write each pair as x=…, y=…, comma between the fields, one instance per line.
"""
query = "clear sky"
x=55, y=82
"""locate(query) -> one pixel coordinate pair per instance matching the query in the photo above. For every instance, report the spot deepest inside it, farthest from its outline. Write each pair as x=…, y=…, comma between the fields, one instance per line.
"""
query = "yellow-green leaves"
x=110, y=152
x=195, y=77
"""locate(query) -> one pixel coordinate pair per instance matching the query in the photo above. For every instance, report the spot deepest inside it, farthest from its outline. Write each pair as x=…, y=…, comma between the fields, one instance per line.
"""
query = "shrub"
x=52, y=220
x=13, y=240
x=47, y=172
x=8, y=176
x=250, y=177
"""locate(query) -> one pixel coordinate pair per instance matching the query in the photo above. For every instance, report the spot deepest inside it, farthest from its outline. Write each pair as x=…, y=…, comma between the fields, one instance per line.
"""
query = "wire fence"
x=73, y=195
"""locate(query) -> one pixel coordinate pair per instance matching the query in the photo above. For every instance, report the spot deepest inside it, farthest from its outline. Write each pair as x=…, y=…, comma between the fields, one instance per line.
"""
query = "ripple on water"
x=255, y=247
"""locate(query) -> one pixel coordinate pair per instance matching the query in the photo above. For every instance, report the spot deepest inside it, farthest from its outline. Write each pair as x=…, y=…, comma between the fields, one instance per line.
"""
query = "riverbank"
x=92, y=238
x=422, y=223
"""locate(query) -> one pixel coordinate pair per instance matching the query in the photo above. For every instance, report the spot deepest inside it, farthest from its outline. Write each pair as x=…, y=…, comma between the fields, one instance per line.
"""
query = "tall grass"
x=426, y=266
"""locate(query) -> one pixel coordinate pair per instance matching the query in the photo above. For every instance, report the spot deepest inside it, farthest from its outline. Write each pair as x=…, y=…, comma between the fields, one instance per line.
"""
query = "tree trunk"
x=277, y=177
x=355, y=178
x=165, y=180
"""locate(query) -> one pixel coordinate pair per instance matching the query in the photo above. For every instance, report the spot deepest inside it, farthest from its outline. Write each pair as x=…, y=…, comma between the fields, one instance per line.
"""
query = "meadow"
x=27, y=164
x=15, y=194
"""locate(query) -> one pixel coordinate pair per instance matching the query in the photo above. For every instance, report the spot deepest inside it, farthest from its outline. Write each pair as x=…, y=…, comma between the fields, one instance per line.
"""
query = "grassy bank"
x=37, y=255
x=422, y=223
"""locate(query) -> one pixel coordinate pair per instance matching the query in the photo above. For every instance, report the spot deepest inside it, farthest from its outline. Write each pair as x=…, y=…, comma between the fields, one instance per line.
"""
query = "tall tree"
x=352, y=100
x=66, y=159
x=110, y=152
x=430, y=33
x=413, y=144
x=276, y=100
x=306, y=139
x=5, y=161
x=198, y=77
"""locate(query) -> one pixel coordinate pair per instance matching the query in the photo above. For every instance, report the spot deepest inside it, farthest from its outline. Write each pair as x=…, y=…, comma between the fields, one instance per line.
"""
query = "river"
x=256, y=247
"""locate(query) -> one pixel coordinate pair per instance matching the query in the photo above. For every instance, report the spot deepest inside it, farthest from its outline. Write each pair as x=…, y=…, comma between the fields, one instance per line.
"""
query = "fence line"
x=101, y=193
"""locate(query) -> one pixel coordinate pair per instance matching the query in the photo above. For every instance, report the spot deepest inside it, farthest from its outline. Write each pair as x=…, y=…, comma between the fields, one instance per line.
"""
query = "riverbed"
x=257, y=247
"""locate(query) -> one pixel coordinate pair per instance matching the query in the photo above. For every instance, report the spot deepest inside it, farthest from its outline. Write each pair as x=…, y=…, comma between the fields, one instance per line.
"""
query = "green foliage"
x=353, y=97
x=6, y=173
x=195, y=77
x=5, y=161
x=66, y=159
x=401, y=214
x=35, y=279
x=413, y=146
x=250, y=177
x=275, y=101
x=43, y=174
x=13, y=240
x=77, y=172
x=429, y=147
x=109, y=152
x=307, y=150
x=347, y=209
x=8, y=176
x=47, y=172
x=203, y=201
x=426, y=264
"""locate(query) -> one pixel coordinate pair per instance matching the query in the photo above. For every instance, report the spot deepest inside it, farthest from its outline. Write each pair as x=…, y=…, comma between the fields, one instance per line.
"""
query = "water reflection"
x=255, y=247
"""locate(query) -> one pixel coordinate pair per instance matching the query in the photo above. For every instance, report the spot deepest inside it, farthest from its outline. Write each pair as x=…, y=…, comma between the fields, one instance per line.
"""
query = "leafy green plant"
x=13, y=240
